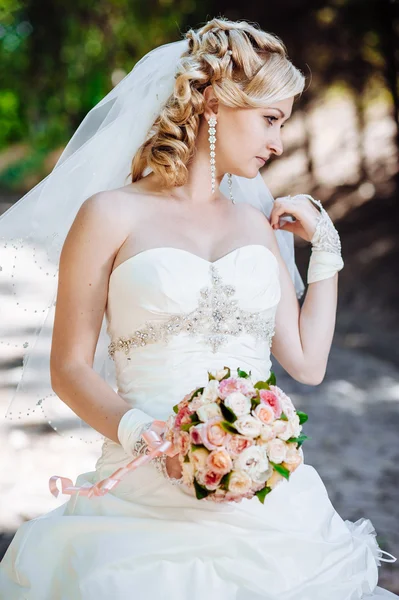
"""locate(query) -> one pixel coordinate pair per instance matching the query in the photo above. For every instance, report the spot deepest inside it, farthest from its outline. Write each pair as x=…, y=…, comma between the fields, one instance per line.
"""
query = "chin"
x=249, y=173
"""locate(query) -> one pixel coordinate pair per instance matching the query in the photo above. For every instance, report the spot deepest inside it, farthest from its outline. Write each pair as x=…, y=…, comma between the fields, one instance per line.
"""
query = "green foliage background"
x=59, y=58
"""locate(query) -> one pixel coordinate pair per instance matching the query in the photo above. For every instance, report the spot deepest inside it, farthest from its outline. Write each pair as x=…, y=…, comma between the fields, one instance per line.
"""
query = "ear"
x=211, y=102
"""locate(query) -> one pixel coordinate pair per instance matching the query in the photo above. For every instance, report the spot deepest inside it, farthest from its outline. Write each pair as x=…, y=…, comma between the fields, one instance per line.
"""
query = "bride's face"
x=245, y=136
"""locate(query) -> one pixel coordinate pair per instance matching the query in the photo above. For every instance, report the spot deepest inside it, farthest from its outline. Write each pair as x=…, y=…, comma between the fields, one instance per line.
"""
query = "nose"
x=276, y=145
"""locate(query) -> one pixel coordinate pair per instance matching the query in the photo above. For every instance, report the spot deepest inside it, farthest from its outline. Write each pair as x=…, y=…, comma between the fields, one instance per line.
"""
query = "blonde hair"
x=247, y=68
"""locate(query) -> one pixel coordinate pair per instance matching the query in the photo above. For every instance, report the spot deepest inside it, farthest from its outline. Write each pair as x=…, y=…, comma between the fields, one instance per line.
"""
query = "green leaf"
x=227, y=413
x=210, y=376
x=187, y=426
x=303, y=417
x=283, y=417
x=224, y=482
x=280, y=469
x=255, y=401
x=228, y=374
x=187, y=458
x=194, y=417
x=200, y=491
x=196, y=392
x=176, y=408
x=299, y=440
x=195, y=447
x=241, y=373
x=227, y=427
x=262, y=385
x=272, y=379
x=261, y=494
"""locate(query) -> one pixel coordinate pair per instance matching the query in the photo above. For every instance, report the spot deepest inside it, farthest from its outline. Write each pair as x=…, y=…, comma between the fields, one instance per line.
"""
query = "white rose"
x=208, y=411
x=219, y=374
x=239, y=482
x=253, y=460
x=287, y=433
x=267, y=433
x=238, y=403
x=279, y=427
x=248, y=426
x=292, y=454
x=276, y=450
x=295, y=425
x=211, y=391
x=199, y=458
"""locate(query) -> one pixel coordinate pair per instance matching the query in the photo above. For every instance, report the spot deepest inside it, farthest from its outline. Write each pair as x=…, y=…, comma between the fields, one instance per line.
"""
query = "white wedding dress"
x=148, y=538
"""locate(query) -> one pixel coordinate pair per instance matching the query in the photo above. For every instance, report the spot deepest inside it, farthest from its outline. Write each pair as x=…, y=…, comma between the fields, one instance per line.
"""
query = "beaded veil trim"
x=216, y=317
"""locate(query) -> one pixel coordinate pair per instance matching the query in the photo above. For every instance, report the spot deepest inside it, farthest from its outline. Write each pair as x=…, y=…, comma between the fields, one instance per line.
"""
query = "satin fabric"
x=148, y=538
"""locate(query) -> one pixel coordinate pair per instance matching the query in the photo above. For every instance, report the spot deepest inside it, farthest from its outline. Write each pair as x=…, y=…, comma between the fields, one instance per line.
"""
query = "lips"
x=263, y=160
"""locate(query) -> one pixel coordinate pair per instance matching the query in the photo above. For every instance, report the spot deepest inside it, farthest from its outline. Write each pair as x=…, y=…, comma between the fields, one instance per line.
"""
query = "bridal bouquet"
x=235, y=438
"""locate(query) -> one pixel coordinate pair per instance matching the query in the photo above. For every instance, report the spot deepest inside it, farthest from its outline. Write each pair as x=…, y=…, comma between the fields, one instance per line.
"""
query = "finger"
x=276, y=213
x=288, y=226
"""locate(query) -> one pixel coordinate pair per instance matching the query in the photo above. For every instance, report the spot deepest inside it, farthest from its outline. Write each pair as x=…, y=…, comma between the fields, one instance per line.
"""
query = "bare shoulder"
x=255, y=217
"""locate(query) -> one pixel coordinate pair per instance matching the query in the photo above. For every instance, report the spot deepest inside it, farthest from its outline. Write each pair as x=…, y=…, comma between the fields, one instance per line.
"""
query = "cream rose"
x=238, y=403
x=219, y=373
x=276, y=450
x=239, y=482
x=209, y=411
x=199, y=458
x=248, y=426
x=264, y=413
x=219, y=461
x=211, y=391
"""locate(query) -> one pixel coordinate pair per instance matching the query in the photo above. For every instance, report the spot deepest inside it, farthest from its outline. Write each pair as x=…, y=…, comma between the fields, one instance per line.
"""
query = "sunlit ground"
x=353, y=414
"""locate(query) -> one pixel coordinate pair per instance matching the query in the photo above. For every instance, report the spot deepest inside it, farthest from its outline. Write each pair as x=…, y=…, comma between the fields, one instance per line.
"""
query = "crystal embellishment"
x=216, y=317
x=325, y=237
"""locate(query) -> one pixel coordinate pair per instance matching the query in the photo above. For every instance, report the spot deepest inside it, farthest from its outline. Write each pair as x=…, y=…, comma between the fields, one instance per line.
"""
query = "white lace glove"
x=132, y=424
x=325, y=259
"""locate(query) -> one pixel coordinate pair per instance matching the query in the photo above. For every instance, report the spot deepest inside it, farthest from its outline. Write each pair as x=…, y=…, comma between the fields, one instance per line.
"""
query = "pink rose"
x=219, y=461
x=196, y=434
x=268, y=397
x=265, y=413
x=236, y=384
x=209, y=479
x=228, y=386
x=212, y=433
x=183, y=442
x=183, y=416
x=236, y=444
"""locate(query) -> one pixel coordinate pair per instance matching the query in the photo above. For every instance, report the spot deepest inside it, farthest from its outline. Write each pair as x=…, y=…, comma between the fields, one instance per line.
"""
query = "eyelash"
x=274, y=119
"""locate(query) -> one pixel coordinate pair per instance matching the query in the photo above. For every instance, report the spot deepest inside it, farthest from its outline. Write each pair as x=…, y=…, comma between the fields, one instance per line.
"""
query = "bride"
x=171, y=260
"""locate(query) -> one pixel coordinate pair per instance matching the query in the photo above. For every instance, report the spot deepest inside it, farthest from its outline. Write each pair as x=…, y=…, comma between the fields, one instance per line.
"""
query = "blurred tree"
x=57, y=59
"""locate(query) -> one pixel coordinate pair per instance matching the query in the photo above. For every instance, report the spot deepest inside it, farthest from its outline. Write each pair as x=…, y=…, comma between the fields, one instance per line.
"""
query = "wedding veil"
x=32, y=232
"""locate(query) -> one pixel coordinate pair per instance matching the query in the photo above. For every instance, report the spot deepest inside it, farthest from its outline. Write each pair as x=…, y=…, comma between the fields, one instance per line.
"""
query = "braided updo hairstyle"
x=247, y=68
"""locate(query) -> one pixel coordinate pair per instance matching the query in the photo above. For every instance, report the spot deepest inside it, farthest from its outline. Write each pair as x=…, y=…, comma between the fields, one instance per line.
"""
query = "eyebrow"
x=280, y=111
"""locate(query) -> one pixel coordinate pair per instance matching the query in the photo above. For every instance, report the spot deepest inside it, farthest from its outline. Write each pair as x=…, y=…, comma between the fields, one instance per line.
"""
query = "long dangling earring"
x=212, y=140
x=230, y=184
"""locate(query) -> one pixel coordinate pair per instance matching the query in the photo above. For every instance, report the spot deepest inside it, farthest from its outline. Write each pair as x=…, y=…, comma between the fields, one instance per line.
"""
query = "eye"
x=272, y=118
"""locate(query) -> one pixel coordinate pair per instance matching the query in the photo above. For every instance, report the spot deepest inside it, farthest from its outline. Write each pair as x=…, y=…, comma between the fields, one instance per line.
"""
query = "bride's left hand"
x=300, y=207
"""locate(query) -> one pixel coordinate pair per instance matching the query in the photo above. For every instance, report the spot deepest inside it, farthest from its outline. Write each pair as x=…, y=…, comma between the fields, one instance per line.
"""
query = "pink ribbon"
x=157, y=446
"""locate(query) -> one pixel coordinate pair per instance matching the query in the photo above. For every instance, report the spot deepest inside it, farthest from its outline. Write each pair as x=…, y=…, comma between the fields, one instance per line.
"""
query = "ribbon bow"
x=156, y=444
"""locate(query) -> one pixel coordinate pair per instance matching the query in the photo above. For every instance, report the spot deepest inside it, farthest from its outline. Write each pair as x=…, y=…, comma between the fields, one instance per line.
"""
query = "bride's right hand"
x=173, y=467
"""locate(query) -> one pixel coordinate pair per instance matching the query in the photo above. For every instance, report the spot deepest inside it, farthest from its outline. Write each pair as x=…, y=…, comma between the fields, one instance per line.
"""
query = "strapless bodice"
x=172, y=316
